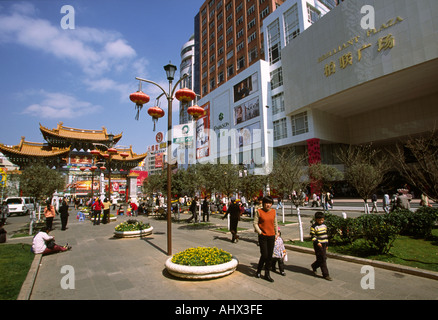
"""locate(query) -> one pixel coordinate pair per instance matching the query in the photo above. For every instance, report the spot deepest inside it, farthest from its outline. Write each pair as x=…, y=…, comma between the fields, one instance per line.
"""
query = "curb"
x=384, y=265
x=27, y=287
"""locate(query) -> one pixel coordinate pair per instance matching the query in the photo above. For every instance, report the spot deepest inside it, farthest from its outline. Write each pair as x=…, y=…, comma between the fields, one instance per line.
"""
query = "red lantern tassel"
x=138, y=107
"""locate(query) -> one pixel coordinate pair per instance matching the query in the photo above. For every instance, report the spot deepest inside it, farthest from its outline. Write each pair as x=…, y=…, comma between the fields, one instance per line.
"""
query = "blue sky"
x=83, y=76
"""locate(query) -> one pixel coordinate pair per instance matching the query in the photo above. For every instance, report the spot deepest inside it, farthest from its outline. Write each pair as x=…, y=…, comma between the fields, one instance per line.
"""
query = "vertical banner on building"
x=203, y=133
x=159, y=160
x=314, y=151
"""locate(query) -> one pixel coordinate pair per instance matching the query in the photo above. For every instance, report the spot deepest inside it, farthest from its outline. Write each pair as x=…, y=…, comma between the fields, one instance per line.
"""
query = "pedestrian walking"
x=234, y=212
x=279, y=203
x=106, y=211
x=318, y=233
x=97, y=207
x=49, y=213
x=279, y=255
x=3, y=233
x=134, y=209
x=193, y=209
x=374, y=201
x=386, y=202
x=63, y=211
x=5, y=211
x=265, y=224
x=205, y=211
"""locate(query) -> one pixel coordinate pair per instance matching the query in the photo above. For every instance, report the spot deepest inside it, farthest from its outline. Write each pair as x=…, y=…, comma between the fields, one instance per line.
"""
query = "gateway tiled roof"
x=34, y=149
x=131, y=155
x=78, y=134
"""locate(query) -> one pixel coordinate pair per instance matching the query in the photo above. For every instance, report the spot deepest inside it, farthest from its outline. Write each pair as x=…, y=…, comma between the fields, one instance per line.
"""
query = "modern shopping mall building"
x=365, y=71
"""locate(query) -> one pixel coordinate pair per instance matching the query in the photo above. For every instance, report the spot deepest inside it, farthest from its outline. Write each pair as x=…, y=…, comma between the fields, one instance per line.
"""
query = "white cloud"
x=95, y=51
x=55, y=105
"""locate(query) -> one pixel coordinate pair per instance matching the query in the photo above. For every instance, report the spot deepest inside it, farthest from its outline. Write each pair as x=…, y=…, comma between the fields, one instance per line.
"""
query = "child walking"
x=318, y=233
x=279, y=255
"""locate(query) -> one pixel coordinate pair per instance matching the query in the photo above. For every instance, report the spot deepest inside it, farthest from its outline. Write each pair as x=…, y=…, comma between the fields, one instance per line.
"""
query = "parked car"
x=20, y=205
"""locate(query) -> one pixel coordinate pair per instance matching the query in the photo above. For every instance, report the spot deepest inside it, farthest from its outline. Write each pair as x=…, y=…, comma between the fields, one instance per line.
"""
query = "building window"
x=280, y=129
x=277, y=103
x=230, y=70
x=276, y=78
x=313, y=14
x=220, y=77
x=251, y=24
x=264, y=13
x=240, y=63
x=274, y=44
x=253, y=36
x=253, y=54
x=291, y=24
x=240, y=46
x=251, y=10
x=300, y=124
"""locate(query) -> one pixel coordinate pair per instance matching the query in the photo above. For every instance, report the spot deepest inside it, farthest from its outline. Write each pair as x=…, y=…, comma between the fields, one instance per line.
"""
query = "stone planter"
x=201, y=272
x=133, y=234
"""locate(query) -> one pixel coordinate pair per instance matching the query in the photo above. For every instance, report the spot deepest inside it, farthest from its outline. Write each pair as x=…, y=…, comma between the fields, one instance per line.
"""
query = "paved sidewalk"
x=133, y=269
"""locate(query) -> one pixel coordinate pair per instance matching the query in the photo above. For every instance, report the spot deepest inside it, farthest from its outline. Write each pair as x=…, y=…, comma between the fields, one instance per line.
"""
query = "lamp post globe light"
x=186, y=96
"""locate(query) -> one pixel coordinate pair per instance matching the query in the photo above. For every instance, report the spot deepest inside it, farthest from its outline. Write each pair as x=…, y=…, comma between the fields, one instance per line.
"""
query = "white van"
x=20, y=205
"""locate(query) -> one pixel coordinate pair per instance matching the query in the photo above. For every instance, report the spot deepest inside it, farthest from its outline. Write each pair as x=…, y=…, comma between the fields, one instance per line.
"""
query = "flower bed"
x=132, y=228
x=201, y=263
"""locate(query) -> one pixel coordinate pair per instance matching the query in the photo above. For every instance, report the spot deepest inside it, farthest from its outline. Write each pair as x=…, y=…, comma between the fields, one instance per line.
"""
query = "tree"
x=417, y=161
x=154, y=183
x=365, y=168
x=251, y=185
x=41, y=182
x=229, y=179
x=288, y=175
x=323, y=175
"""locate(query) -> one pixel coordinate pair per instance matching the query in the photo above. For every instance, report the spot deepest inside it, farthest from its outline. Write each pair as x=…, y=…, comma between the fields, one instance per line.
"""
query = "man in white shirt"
x=39, y=245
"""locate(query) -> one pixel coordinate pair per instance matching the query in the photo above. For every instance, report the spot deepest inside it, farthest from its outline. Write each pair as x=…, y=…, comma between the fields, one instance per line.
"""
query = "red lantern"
x=93, y=168
x=139, y=98
x=124, y=154
x=185, y=95
x=195, y=111
x=102, y=168
x=112, y=150
x=82, y=168
x=156, y=113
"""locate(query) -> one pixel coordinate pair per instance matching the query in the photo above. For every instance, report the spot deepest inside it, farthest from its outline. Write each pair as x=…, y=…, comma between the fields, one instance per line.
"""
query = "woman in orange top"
x=49, y=213
x=265, y=224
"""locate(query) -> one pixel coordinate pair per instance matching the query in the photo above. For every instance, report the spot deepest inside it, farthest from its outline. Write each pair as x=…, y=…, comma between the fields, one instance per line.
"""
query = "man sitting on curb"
x=44, y=244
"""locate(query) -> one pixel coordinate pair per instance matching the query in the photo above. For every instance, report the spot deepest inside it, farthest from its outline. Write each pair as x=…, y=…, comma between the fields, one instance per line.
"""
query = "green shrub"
x=378, y=233
x=342, y=230
x=417, y=224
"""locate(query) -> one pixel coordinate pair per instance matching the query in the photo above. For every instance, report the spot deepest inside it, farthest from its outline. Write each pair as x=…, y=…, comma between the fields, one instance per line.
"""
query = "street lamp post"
x=170, y=94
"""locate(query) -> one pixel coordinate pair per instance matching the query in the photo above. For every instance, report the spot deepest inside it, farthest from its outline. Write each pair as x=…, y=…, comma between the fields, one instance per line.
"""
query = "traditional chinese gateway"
x=86, y=157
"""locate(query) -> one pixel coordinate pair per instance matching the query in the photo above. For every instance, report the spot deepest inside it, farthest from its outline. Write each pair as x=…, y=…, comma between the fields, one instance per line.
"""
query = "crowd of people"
x=271, y=245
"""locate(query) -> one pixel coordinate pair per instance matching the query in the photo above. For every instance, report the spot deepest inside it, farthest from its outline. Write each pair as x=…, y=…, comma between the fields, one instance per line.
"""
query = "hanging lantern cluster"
x=139, y=98
x=184, y=95
x=156, y=113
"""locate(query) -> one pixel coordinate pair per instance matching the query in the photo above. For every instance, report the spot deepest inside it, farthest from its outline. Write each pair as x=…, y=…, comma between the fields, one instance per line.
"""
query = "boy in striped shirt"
x=318, y=232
